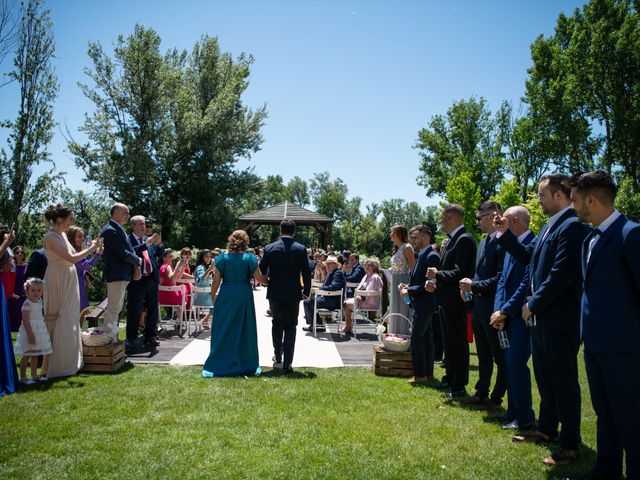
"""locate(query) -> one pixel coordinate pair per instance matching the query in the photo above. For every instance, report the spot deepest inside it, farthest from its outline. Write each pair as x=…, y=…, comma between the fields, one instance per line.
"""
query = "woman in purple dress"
x=75, y=235
x=15, y=301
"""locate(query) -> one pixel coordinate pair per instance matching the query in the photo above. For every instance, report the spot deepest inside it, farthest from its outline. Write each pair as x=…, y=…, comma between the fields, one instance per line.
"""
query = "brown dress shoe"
x=561, y=457
x=532, y=437
x=475, y=400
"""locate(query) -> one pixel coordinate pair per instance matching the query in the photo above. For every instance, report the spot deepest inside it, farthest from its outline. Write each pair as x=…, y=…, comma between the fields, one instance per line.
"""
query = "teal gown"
x=234, y=337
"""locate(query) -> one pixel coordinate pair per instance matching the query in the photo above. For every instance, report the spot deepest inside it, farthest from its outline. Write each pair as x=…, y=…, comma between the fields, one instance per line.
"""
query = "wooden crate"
x=391, y=363
x=109, y=358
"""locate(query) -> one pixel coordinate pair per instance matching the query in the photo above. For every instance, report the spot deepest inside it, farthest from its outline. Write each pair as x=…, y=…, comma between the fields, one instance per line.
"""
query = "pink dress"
x=169, y=298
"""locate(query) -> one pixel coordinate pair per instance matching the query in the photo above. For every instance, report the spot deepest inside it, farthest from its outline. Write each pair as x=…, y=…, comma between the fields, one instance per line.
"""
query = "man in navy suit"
x=510, y=296
x=611, y=324
x=37, y=264
x=457, y=262
x=353, y=272
x=489, y=262
x=333, y=282
x=144, y=290
x=121, y=265
x=554, y=304
x=284, y=262
x=424, y=305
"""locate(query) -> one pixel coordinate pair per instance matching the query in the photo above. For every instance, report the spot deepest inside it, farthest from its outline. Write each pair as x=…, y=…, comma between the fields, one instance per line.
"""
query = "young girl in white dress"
x=33, y=337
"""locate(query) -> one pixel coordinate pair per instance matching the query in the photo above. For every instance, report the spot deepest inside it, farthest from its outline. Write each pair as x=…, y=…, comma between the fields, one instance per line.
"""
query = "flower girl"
x=33, y=337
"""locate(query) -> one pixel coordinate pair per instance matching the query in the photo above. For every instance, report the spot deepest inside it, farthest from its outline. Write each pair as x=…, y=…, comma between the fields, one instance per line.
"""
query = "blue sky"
x=347, y=84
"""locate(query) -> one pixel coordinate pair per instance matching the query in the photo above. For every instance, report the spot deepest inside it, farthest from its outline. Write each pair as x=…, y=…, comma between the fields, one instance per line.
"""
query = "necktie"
x=147, y=268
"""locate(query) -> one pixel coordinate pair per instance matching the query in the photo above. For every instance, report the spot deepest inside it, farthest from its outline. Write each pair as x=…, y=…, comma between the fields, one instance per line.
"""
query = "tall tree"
x=167, y=132
x=467, y=139
x=9, y=21
x=32, y=130
x=329, y=196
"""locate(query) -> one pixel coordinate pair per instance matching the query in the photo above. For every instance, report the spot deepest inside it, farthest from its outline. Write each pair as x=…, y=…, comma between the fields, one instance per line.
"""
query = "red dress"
x=169, y=298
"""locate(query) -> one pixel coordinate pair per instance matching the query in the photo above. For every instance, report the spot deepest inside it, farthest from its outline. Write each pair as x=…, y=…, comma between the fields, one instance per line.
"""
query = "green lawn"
x=167, y=422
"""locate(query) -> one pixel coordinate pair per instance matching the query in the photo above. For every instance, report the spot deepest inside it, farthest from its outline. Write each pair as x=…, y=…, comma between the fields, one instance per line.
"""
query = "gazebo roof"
x=275, y=214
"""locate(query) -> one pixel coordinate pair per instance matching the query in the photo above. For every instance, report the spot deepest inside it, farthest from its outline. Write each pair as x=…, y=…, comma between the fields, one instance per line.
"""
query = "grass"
x=168, y=422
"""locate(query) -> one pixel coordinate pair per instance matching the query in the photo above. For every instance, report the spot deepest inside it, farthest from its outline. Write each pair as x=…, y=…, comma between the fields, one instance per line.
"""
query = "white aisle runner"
x=318, y=352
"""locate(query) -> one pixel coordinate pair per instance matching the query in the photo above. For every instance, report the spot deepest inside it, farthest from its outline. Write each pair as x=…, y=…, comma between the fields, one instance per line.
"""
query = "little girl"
x=33, y=338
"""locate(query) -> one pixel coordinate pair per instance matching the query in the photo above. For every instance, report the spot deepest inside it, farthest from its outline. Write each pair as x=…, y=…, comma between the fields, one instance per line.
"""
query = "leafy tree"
x=467, y=139
x=329, y=197
x=628, y=198
x=298, y=191
x=32, y=130
x=168, y=131
x=465, y=192
x=508, y=194
x=8, y=28
x=538, y=218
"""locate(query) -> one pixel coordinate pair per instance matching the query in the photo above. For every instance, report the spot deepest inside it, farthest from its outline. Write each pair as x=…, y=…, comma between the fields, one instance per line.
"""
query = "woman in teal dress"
x=234, y=337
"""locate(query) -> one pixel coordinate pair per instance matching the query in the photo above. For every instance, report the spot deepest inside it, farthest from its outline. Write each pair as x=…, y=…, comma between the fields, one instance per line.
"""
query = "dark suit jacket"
x=554, y=271
x=422, y=300
x=489, y=264
x=511, y=292
x=611, y=298
x=334, y=281
x=357, y=274
x=155, y=253
x=119, y=257
x=37, y=264
x=285, y=261
x=457, y=262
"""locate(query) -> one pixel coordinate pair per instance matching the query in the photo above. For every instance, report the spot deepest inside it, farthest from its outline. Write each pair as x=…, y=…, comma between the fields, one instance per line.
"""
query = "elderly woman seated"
x=370, y=282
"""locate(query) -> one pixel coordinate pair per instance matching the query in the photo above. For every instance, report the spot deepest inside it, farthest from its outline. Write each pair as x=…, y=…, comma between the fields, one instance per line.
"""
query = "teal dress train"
x=234, y=337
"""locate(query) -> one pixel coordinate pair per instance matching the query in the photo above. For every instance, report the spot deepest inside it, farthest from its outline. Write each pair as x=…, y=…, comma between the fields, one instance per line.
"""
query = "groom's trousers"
x=283, y=330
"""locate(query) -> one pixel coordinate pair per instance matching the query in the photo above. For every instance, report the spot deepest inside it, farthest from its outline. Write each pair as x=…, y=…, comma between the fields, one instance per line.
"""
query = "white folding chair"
x=183, y=306
x=316, y=310
x=197, y=310
x=190, y=284
x=366, y=294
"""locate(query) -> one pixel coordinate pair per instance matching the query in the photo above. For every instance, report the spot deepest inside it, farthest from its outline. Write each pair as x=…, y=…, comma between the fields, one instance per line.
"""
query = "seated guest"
x=185, y=255
x=370, y=282
x=15, y=301
x=333, y=282
x=168, y=277
x=75, y=235
x=320, y=272
x=353, y=272
x=204, y=276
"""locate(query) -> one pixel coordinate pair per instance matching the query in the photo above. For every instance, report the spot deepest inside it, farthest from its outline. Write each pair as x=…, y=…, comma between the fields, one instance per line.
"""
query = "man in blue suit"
x=489, y=262
x=121, y=265
x=284, y=262
x=554, y=303
x=424, y=305
x=510, y=296
x=37, y=264
x=144, y=290
x=611, y=324
x=353, y=272
x=333, y=282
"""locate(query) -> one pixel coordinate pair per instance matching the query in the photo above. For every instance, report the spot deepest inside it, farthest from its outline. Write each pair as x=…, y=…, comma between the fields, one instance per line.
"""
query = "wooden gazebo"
x=275, y=214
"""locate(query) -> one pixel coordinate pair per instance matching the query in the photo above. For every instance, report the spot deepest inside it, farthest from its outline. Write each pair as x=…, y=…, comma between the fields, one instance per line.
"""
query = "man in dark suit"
x=353, y=272
x=489, y=263
x=510, y=296
x=457, y=262
x=333, y=282
x=121, y=265
x=424, y=305
x=144, y=290
x=285, y=262
x=37, y=264
x=611, y=324
x=554, y=302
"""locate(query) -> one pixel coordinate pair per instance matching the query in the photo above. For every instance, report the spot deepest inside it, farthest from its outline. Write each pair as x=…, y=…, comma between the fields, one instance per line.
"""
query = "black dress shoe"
x=287, y=369
x=151, y=342
x=475, y=400
x=320, y=327
x=443, y=385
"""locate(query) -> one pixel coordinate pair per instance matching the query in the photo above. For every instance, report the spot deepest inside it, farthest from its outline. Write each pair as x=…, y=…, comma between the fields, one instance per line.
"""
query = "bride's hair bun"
x=54, y=212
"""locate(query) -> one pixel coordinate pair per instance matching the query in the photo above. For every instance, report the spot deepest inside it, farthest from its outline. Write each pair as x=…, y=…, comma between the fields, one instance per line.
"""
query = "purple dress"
x=81, y=269
x=14, y=305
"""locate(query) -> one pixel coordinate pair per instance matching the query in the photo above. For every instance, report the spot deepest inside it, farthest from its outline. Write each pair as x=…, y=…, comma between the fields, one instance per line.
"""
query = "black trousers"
x=555, y=365
x=284, y=315
x=143, y=291
x=438, y=339
x=614, y=383
x=422, y=344
x=489, y=351
x=456, y=347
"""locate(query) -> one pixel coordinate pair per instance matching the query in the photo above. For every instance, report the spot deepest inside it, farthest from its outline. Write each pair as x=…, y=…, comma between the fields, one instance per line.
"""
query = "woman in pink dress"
x=370, y=282
x=168, y=277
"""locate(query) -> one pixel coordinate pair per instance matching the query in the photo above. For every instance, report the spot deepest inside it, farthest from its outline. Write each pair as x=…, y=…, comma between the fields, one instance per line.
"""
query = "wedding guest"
x=62, y=295
x=75, y=235
x=370, y=282
x=333, y=282
x=16, y=300
x=8, y=373
x=168, y=277
x=353, y=272
x=33, y=338
x=205, y=269
x=37, y=265
x=402, y=263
